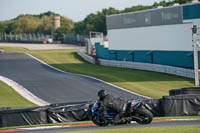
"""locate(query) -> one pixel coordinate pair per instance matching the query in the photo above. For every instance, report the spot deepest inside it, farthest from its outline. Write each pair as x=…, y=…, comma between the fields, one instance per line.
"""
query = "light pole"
x=195, y=47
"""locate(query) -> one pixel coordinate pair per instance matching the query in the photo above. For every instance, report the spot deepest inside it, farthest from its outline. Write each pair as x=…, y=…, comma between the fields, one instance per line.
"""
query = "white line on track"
x=88, y=77
x=24, y=92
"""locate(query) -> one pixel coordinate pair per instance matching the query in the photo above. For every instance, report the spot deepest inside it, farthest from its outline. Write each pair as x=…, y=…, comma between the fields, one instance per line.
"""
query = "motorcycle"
x=139, y=112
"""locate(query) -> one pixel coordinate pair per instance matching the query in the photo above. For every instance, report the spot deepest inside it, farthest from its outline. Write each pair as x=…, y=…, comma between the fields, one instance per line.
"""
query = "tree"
x=45, y=25
x=48, y=13
x=2, y=27
x=94, y=22
x=25, y=24
x=67, y=24
x=79, y=27
x=59, y=34
x=182, y=1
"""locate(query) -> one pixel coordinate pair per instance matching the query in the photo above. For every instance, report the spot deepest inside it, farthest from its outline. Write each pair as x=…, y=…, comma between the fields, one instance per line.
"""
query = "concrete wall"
x=188, y=73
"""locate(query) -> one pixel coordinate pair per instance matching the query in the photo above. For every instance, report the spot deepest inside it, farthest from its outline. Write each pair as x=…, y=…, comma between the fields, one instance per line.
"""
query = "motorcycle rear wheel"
x=144, y=114
x=101, y=123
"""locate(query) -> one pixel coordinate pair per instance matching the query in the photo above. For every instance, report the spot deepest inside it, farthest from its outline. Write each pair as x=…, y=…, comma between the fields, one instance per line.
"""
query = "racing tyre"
x=99, y=122
x=144, y=114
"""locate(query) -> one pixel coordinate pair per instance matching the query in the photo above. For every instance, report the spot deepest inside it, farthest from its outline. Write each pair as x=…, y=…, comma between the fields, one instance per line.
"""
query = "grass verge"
x=10, y=98
x=43, y=125
x=174, y=129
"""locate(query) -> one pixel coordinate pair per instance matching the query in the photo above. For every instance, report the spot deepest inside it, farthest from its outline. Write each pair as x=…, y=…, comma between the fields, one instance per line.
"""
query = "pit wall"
x=145, y=65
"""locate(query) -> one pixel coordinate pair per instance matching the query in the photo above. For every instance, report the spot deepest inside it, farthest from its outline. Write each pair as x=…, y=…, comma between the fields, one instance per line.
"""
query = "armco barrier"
x=188, y=73
x=86, y=57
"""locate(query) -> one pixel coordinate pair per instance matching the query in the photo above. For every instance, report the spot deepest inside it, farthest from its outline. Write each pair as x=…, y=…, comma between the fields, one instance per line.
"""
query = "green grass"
x=176, y=117
x=43, y=125
x=173, y=129
x=150, y=84
x=90, y=122
x=10, y=98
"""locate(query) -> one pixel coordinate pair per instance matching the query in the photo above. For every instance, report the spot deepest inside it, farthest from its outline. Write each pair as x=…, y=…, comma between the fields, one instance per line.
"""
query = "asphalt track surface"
x=134, y=125
x=52, y=85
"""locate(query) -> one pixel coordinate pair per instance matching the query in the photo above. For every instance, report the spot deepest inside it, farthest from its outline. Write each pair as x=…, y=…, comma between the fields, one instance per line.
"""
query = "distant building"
x=167, y=28
x=56, y=23
x=159, y=36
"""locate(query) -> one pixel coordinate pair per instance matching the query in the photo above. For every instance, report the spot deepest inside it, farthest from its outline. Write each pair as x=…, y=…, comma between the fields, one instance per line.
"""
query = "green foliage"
x=94, y=22
x=182, y=1
x=67, y=26
x=136, y=8
x=2, y=28
x=49, y=14
x=45, y=25
x=59, y=33
x=169, y=129
x=25, y=24
x=42, y=23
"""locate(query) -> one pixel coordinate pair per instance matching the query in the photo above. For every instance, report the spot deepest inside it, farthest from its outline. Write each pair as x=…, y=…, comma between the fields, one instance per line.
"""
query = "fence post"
x=20, y=36
x=195, y=47
x=25, y=37
x=5, y=36
x=10, y=36
x=16, y=37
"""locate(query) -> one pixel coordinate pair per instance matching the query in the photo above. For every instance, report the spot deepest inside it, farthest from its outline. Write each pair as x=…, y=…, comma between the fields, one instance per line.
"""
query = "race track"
x=52, y=85
x=94, y=127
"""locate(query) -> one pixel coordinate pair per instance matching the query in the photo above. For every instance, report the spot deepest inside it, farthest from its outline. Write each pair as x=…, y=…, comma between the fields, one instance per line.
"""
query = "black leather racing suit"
x=117, y=105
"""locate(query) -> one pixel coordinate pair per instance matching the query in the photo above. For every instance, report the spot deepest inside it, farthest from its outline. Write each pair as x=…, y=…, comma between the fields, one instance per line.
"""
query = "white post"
x=196, y=65
x=5, y=36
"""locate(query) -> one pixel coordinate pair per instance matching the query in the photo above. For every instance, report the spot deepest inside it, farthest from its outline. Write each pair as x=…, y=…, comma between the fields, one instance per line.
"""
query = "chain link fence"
x=39, y=38
x=75, y=39
x=24, y=38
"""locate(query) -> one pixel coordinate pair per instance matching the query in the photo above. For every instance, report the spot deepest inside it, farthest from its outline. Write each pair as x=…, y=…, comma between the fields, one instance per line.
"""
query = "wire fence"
x=75, y=39
x=39, y=38
x=33, y=38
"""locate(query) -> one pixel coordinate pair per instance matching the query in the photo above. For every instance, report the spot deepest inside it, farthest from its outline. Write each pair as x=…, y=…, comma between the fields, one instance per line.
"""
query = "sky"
x=74, y=9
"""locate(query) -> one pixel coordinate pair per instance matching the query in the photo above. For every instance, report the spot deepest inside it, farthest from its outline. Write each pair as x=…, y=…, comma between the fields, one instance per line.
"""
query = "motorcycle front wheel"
x=99, y=122
x=144, y=114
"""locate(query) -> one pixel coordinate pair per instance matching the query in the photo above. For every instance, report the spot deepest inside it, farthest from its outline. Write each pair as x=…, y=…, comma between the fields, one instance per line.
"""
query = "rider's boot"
x=128, y=120
x=124, y=120
x=134, y=118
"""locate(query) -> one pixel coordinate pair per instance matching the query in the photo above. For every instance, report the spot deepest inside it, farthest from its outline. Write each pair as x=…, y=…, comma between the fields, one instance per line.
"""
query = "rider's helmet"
x=102, y=94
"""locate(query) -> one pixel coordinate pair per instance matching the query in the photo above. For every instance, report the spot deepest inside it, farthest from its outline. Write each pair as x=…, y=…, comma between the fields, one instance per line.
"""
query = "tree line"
x=42, y=23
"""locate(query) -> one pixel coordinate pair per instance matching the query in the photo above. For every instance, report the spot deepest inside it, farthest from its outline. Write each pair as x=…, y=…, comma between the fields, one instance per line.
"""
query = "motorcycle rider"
x=117, y=105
